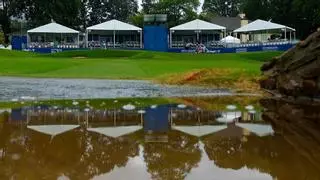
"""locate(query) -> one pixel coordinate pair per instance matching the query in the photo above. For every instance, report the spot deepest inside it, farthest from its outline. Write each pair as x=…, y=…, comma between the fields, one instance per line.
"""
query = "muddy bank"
x=84, y=88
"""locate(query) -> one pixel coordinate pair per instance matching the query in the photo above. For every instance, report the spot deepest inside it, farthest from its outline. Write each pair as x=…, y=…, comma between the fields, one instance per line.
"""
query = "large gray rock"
x=297, y=71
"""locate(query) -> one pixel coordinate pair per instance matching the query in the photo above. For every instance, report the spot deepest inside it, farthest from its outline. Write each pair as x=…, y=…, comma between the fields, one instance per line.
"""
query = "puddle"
x=13, y=88
x=185, y=138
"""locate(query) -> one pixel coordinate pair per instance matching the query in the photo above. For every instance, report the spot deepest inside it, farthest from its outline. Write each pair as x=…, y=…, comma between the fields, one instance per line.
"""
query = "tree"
x=148, y=6
x=122, y=10
x=39, y=12
x=137, y=20
x=178, y=11
x=9, y=9
x=228, y=8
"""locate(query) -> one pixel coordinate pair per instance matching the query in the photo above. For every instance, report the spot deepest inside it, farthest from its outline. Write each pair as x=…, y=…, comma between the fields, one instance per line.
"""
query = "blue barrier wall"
x=18, y=42
x=283, y=47
x=155, y=38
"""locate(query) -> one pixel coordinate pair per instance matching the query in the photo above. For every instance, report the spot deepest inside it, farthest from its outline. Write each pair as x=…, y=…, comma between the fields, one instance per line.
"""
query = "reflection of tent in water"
x=53, y=130
x=229, y=117
x=226, y=130
x=199, y=131
x=116, y=131
x=258, y=129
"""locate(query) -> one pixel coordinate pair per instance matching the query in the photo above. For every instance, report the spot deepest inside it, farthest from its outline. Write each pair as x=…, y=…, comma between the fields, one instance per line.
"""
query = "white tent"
x=197, y=26
x=199, y=131
x=230, y=39
x=114, y=26
x=115, y=132
x=261, y=25
x=53, y=130
x=52, y=28
x=258, y=129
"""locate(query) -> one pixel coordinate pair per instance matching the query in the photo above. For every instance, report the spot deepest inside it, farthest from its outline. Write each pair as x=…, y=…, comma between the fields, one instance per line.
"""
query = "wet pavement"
x=255, y=139
x=12, y=88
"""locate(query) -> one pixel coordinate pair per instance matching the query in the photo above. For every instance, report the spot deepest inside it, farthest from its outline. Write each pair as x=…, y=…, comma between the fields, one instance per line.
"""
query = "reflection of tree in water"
x=172, y=160
x=269, y=154
x=77, y=154
x=103, y=153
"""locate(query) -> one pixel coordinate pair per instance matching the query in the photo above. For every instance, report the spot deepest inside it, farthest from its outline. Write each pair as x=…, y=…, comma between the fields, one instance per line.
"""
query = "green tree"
x=148, y=6
x=137, y=20
x=257, y=9
x=122, y=10
x=178, y=11
x=40, y=12
x=229, y=8
x=9, y=9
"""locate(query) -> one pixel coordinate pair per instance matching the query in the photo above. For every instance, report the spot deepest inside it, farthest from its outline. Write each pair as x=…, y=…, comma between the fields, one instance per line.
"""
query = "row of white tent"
x=196, y=25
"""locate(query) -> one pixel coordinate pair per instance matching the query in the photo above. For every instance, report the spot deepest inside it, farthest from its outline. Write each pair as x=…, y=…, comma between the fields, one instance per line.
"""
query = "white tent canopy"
x=199, y=131
x=197, y=25
x=114, y=25
x=261, y=25
x=53, y=28
x=231, y=39
x=115, y=132
x=53, y=130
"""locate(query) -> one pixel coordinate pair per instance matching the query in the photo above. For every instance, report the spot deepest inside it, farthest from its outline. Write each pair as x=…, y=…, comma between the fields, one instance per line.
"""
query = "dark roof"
x=231, y=23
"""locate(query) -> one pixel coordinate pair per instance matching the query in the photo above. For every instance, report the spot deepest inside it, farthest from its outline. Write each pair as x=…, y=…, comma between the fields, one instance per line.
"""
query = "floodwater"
x=12, y=88
x=202, y=139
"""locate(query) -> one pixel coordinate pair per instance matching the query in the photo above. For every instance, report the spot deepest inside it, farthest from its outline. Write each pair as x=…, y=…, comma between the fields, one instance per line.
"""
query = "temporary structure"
x=197, y=26
x=52, y=28
x=264, y=26
x=230, y=39
x=114, y=26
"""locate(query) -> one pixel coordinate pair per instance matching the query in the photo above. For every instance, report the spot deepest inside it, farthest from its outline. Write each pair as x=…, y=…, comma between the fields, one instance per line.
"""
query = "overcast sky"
x=199, y=10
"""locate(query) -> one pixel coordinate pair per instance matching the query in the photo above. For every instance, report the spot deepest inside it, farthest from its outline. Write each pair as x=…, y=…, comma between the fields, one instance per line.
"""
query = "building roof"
x=231, y=23
x=53, y=28
x=261, y=25
x=197, y=25
x=114, y=25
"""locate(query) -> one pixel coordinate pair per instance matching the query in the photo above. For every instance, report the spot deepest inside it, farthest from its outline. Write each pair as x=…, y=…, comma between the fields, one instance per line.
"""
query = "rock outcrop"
x=295, y=73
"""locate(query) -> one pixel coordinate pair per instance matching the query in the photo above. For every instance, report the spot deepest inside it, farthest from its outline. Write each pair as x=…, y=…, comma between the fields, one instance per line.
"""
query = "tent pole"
x=285, y=34
x=294, y=36
x=141, y=44
x=87, y=38
x=290, y=37
x=170, y=44
x=114, y=39
x=78, y=41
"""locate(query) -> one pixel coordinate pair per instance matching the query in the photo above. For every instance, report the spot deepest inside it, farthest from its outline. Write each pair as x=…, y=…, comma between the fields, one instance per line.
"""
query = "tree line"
x=304, y=15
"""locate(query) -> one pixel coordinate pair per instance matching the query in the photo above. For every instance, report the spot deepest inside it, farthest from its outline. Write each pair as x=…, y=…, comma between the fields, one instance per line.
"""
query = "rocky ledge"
x=296, y=73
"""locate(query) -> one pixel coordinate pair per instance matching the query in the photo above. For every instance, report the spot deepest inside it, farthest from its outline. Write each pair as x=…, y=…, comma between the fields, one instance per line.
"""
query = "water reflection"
x=164, y=142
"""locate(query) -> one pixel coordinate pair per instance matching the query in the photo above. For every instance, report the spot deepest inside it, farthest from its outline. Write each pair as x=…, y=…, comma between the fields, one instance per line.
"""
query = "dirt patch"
x=218, y=78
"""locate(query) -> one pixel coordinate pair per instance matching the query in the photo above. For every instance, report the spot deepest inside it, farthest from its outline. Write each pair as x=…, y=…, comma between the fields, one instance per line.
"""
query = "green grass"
x=123, y=64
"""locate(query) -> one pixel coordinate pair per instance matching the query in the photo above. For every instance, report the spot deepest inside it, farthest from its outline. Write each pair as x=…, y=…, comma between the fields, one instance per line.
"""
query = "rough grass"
x=215, y=69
